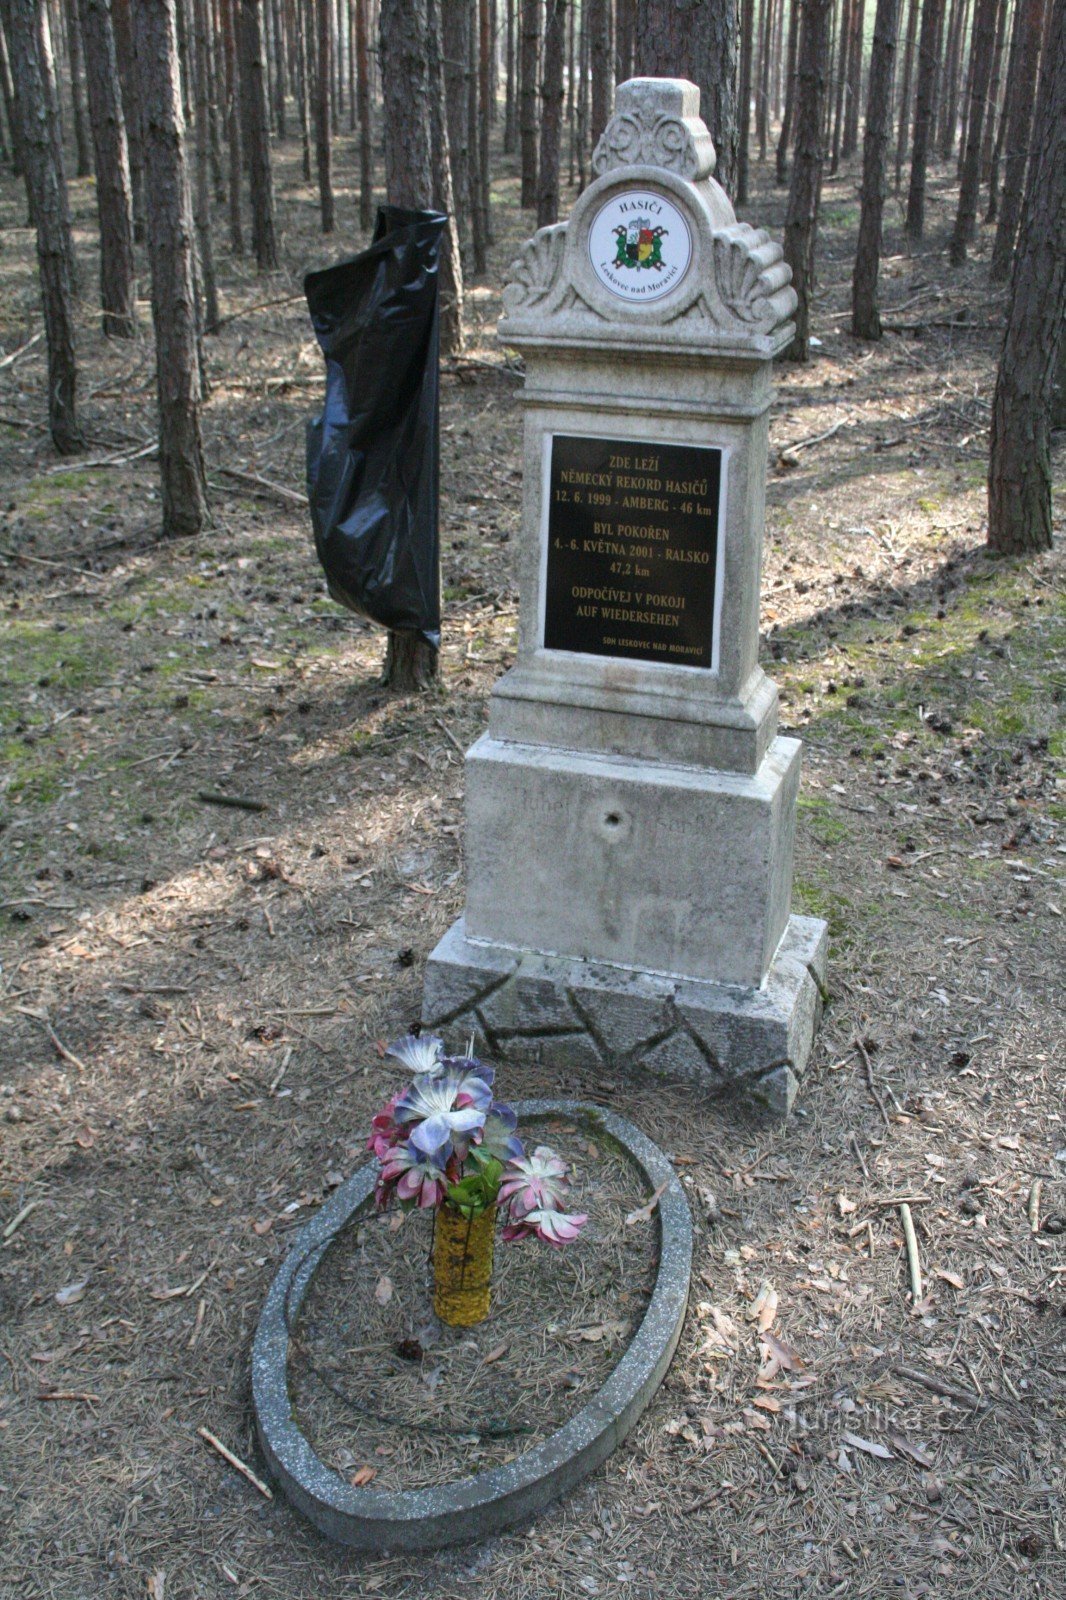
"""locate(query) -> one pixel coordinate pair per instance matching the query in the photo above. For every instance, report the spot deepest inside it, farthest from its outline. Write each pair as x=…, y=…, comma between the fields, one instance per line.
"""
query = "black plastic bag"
x=373, y=456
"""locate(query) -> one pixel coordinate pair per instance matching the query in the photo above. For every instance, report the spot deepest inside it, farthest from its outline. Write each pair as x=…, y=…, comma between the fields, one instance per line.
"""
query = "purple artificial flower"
x=424, y=1054
x=553, y=1227
x=444, y=1108
x=534, y=1183
x=498, y=1136
x=417, y=1178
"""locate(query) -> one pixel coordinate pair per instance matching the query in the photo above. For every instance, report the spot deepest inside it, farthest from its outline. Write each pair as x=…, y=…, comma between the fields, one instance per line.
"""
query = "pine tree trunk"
x=767, y=14
x=204, y=241
x=278, y=29
x=114, y=200
x=451, y=268
x=256, y=126
x=304, y=91
x=963, y=93
x=552, y=117
x=510, y=119
x=1019, y=474
x=403, y=53
x=82, y=140
x=170, y=252
x=1028, y=28
x=802, y=215
x=785, y=138
x=44, y=180
x=840, y=86
x=905, y=93
x=122, y=26
x=582, y=111
x=479, y=243
x=233, y=125
x=677, y=40
x=455, y=37
x=362, y=89
x=854, y=95
x=865, y=319
x=949, y=96
x=992, y=108
x=324, y=115
x=625, y=38
x=924, y=114
x=601, y=68
x=747, y=30
x=47, y=66
x=982, y=49
x=486, y=79
x=10, y=106
x=1001, y=121
x=528, y=119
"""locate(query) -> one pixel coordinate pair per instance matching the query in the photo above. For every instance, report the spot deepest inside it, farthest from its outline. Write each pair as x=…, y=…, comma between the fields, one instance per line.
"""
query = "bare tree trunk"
x=10, y=106
x=675, y=39
x=981, y=50
x=601, y=68
x=964, y=94
x=767, y=14
x=122, y=26
x=47, y=66
x=781, y=159
x=114, y=200
x=170, y=252
x=924, y=115
x=451, y=268
x=324, y=115
x=905, y=93
x=479, y=243
x=487, y=101
x=403, y=34
x=456, y=17
x=747, y=30
x=510, y=102
x=362, y=89
x=304, y=90
x=551, y=121
x=1019, y=473
x=992, y=108
x=582, y=112
x=44, y=179
x=854, y=95
x=233, y=125
x=82, y=141
x=802, y=215
x=841, y=83
x=865, y=319
x=203, y=168
x=1028, y=27
x=528, y=121
x=257, y=133
x=625, y=32
x=949, y=96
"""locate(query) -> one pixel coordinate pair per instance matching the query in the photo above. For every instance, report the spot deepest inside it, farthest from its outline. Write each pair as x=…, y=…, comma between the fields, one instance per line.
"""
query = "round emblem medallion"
x=640, y=245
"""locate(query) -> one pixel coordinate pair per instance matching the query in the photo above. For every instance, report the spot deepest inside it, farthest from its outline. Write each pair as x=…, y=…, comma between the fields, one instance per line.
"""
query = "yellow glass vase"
x=462, y=1266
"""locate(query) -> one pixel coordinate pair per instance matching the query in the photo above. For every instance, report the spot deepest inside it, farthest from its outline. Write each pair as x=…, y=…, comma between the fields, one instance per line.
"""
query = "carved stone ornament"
x=686, y=272
x=656, y=123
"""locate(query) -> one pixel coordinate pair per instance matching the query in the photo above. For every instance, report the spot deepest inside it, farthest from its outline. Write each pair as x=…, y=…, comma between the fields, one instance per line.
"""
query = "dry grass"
x=217, y=982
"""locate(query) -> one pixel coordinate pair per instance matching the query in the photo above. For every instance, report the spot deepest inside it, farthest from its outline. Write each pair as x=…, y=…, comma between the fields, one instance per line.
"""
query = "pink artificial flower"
x=553, y=1227
x=532, y=1183
x=385, y=1132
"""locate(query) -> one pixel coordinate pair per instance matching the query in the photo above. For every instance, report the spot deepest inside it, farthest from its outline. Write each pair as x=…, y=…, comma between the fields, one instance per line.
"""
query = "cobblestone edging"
x=475, y=1507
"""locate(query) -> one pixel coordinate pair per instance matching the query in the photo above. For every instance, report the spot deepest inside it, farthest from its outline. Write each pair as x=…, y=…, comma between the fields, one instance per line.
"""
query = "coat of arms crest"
x=639, y=244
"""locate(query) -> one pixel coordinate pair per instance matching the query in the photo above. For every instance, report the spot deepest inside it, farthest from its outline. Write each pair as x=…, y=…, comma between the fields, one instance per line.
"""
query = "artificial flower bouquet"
x=446, y=1145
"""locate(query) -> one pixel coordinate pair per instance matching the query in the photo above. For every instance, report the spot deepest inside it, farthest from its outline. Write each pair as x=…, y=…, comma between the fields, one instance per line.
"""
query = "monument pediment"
x=654, y=235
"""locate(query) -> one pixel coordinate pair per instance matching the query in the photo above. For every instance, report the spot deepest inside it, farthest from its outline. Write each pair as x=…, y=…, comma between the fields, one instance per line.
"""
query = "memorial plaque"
x=632, y=550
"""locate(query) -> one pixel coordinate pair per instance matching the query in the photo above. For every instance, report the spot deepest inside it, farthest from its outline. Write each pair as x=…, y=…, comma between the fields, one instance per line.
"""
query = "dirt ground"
x=193, y=998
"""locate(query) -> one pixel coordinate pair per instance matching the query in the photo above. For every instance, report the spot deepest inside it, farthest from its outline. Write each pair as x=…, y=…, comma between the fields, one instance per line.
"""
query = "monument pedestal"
x=631, y=810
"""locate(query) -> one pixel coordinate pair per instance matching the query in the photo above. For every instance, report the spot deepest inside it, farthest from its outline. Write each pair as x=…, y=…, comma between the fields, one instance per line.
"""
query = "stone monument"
x=630, y=812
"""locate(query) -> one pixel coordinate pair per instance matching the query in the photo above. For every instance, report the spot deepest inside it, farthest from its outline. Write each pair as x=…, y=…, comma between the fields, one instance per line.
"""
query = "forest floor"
x=194, y=999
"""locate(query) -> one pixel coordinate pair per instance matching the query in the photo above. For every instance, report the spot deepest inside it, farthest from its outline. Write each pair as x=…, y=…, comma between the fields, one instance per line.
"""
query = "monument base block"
x=524, y=1006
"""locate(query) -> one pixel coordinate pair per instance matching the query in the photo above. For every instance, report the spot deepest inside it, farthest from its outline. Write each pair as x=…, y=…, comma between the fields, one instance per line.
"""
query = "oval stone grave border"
x=473, y=1507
